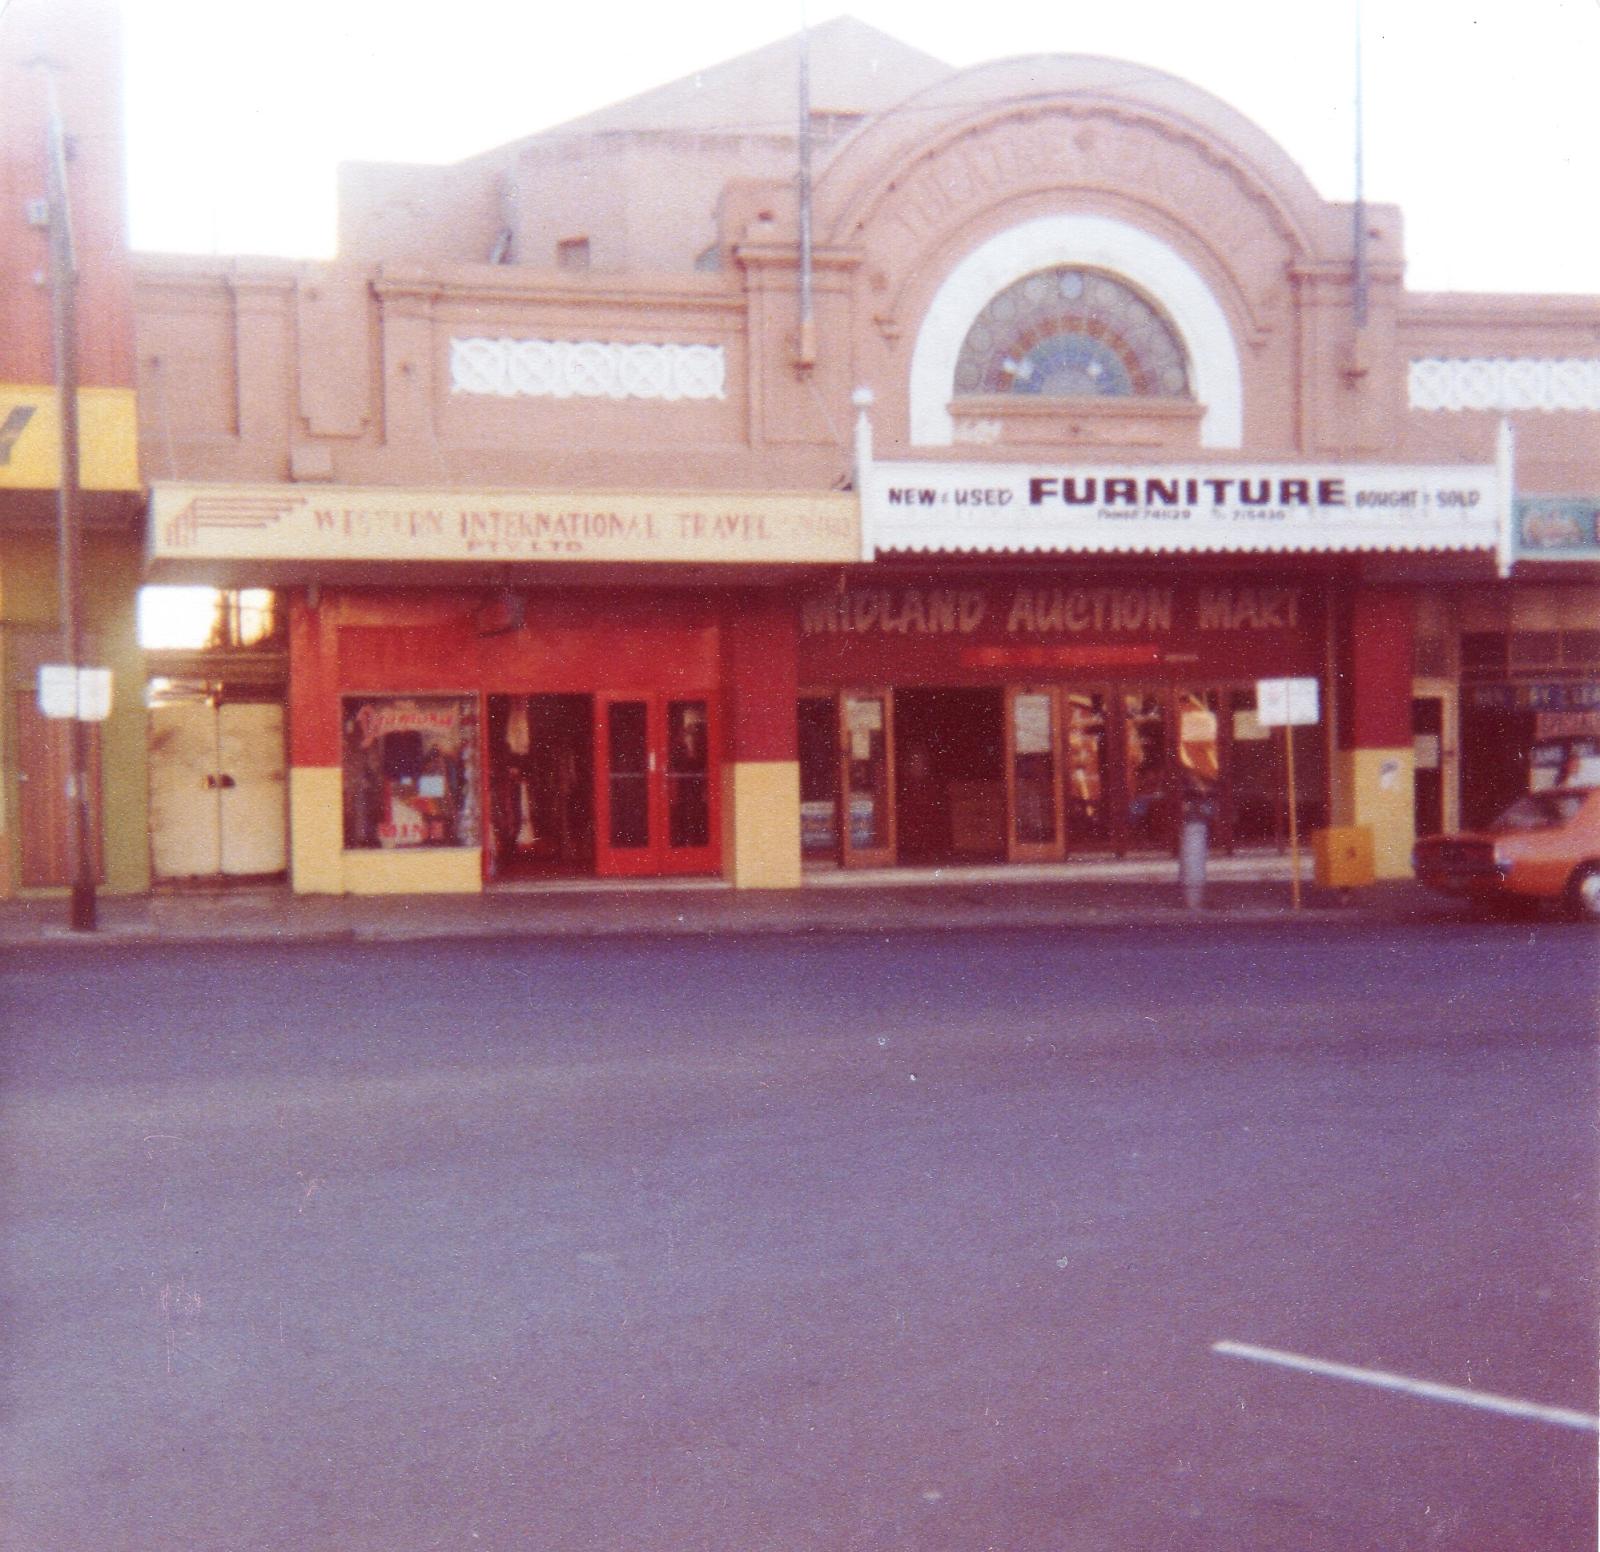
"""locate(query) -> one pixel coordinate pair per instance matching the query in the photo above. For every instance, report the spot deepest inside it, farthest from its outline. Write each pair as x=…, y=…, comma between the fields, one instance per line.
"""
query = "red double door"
x=657, y=798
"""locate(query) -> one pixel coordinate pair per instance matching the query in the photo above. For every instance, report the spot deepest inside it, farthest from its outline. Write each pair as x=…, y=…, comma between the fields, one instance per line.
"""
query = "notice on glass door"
x=1030, y=721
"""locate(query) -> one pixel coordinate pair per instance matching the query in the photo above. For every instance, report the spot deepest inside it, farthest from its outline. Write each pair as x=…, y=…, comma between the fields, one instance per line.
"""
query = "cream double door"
x=217, y=790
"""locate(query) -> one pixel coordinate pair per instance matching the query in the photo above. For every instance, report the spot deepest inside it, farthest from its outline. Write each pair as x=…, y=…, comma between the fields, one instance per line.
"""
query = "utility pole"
x=64, y=323
x=1359, y=215
x=806, y=348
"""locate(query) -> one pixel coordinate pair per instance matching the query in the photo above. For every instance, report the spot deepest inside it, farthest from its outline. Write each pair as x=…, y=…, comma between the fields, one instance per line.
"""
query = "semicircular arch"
x=1127, y=252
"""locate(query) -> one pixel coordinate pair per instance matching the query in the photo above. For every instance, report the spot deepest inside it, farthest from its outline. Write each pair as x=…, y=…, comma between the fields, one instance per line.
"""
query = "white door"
x=217, y=798
x=185, y=817
x=250, y=789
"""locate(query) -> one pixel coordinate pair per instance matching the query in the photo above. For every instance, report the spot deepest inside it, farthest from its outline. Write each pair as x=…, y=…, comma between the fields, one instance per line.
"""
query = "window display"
x=410, y=771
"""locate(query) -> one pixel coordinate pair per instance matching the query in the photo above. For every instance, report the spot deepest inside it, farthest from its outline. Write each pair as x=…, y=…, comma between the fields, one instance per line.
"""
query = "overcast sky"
x=1480, y=118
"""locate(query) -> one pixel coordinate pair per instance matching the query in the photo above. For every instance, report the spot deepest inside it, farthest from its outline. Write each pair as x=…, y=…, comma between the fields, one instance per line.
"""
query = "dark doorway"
x=541, y=784
x=1427, y=734
x=950, y=790
x=1496, y=746
x=819, y=777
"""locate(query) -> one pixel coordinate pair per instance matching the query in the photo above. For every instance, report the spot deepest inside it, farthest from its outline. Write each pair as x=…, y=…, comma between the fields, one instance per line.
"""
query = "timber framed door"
x=1035, y=827
x=656, y=793
x=44, y=773
x=866, y=778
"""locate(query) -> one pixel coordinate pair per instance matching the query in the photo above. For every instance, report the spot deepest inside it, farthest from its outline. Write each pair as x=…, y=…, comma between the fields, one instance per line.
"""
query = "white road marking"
x=1562, y=1416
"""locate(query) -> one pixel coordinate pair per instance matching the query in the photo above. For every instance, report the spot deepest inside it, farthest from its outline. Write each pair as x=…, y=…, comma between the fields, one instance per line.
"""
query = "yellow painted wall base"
x=319, y=864
x=761, y=824
x=1374, y=787
x=415, y=870
x=316, y=830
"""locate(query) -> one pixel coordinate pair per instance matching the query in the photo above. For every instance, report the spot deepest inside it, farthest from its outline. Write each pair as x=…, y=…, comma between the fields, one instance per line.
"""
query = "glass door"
x=866, y=784
x=1146, y=771
x=1087, y=748
x=1033, y=776
x=656, y=786
x=625, y=764
x=688, y=795
x=1199, y=747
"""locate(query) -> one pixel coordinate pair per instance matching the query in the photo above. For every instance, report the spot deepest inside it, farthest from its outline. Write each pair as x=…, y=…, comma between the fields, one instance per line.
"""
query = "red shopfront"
x=1049, y=714
x=564, y=734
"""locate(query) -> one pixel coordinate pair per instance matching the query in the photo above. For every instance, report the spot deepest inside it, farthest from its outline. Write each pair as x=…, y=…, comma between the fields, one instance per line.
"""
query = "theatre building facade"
x=637, y=508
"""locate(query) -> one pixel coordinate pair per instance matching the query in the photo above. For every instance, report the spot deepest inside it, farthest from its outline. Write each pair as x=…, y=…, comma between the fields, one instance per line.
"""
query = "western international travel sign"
x=1253, y=508
x=297, y=523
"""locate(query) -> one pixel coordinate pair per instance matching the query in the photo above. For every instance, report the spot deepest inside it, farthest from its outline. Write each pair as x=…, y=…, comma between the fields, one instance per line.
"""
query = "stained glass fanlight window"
x=1068, y=331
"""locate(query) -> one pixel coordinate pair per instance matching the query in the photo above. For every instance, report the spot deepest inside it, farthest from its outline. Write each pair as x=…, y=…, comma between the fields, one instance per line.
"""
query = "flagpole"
x=806, y=352
x=1359, y=234
x=64, y=324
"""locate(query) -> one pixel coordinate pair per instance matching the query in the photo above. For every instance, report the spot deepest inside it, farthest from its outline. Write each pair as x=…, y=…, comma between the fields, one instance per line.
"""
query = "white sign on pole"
x=94, y=694
x=58, y=690
x=1286, y=702
x=66, y=693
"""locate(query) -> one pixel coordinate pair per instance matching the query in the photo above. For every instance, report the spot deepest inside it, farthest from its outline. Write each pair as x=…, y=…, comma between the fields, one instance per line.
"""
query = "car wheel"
x=1583, y=893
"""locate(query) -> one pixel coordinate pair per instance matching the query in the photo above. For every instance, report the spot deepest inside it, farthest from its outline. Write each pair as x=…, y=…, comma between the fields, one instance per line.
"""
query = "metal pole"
x=806, y=352
x=1359, y=235
x=1294, y=823
x=64, y=321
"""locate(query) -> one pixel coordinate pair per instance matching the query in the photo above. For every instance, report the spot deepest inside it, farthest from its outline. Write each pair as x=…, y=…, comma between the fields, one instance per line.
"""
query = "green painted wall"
x=29, y=634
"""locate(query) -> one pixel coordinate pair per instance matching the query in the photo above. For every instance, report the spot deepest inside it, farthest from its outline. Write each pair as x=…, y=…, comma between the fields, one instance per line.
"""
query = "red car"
x=1545, y=846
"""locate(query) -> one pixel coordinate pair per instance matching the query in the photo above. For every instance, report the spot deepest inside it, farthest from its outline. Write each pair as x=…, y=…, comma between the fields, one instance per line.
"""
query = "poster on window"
x=410, y=771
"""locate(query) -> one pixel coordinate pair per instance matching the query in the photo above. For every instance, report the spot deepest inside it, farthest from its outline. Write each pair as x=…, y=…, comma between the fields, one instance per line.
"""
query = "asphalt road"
x=910, y=1242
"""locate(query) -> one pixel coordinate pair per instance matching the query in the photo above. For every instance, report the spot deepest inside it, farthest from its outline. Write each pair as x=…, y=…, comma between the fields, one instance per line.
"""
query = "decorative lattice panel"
x=586, y=369
x=1504, y=383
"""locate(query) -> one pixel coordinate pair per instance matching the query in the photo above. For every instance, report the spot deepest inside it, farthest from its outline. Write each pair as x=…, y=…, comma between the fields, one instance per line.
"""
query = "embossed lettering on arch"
x=1146, y=269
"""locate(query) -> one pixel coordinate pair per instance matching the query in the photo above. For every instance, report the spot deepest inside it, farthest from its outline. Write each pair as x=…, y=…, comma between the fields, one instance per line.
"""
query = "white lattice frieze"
x=586, y=369
x=1505, y=383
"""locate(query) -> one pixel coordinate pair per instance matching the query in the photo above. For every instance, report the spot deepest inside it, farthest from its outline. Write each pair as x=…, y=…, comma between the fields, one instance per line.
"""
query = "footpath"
x=1131, y=894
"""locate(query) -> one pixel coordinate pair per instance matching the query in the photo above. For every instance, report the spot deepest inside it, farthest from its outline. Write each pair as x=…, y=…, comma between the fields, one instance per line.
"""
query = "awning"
x=1110, y=509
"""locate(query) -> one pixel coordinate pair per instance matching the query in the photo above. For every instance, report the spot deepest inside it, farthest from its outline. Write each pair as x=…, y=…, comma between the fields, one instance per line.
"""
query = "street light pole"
x=64, y=320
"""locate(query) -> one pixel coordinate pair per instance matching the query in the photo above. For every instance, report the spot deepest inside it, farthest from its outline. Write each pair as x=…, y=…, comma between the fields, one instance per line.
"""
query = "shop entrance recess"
x=1038, y=772
x=866, y=778
x=541, y=785
x=656, y=790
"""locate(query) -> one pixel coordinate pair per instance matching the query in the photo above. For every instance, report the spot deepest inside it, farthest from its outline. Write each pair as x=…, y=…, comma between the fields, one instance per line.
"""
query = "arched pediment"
x=1028, y=164
x=1004, y=129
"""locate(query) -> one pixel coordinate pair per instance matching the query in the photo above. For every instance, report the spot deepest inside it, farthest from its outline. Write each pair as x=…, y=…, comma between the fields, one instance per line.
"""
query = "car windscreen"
x=1540, y=811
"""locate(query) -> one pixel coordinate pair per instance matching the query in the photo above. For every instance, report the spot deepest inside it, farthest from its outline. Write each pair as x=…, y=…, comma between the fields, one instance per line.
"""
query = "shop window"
x=1256, y=799
x=410, y=771
x=1086, y=714
x=1580, y=650
x=1069, y=332
x=1533, y=650
x=1483, y=654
